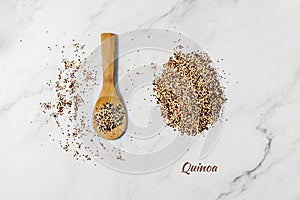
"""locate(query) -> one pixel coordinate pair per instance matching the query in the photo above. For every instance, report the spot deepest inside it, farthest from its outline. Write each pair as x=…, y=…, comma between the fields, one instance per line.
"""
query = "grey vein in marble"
x=237, y=185
x=5, y=108
x=184, y=6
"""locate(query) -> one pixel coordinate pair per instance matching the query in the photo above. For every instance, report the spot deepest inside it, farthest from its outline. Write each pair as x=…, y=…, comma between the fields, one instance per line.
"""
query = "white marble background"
x=258, y=153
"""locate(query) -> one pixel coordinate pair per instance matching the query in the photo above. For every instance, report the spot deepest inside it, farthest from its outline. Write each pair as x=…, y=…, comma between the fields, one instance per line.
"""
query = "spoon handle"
x=108, y=51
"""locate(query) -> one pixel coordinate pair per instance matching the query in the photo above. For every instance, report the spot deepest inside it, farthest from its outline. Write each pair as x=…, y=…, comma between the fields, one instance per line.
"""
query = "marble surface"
x=258, y=153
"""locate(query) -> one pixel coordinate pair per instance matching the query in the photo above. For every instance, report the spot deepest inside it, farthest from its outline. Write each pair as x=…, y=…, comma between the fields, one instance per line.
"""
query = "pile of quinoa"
x=189, y=92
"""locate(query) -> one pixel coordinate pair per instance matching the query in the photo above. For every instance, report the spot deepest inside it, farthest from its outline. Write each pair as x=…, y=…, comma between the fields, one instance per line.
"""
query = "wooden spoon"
x=108, y=93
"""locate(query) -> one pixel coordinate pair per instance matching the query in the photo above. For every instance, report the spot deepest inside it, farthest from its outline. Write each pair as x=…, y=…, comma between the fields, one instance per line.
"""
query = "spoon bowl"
x=117, y=131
